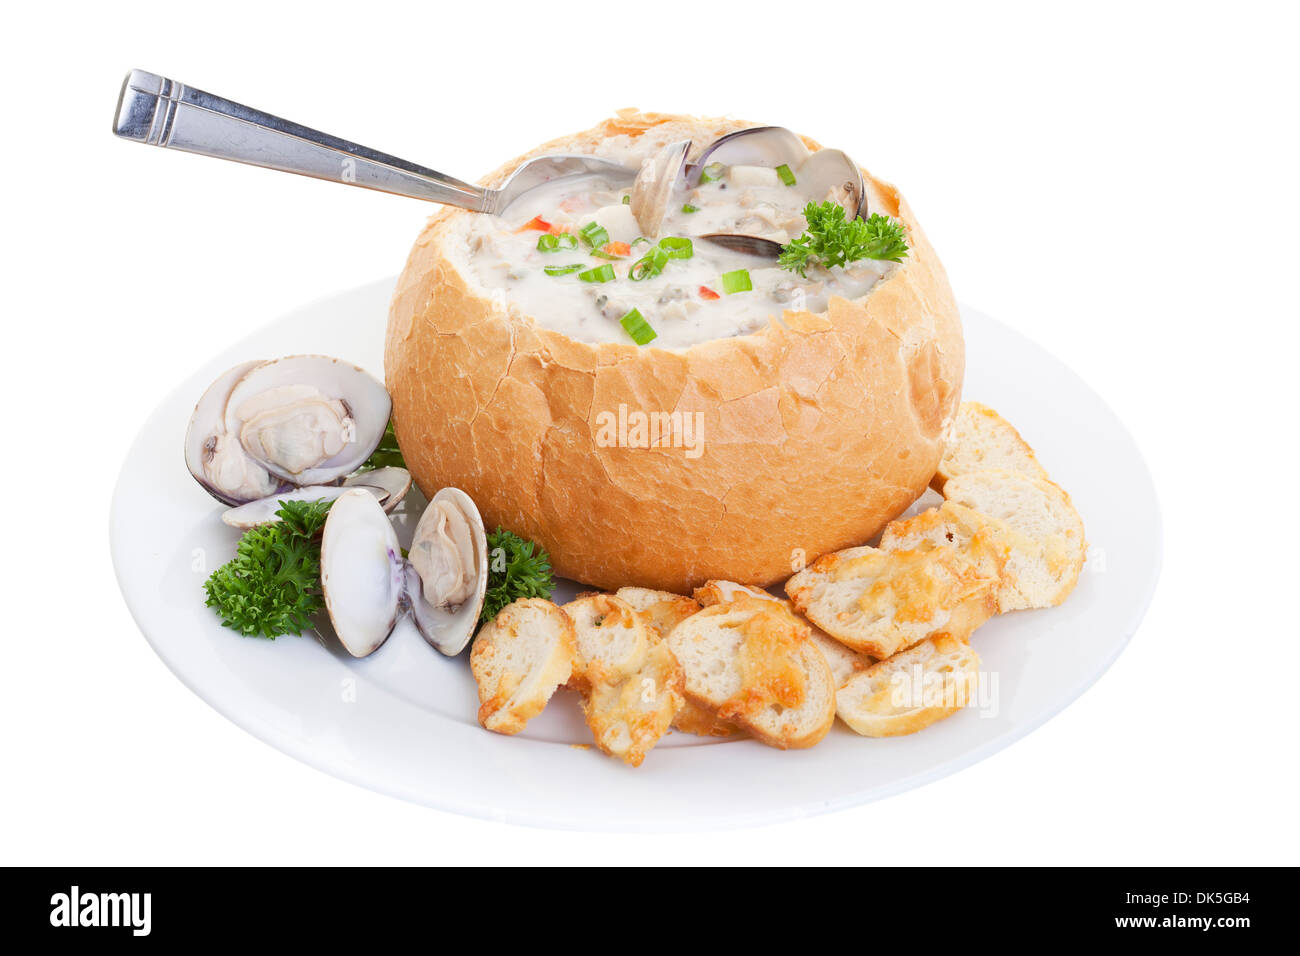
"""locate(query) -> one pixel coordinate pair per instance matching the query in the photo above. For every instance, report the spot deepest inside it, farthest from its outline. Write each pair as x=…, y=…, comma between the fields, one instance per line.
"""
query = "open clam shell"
x=448, y=628
x=653, y=189
x=310, y=419
x=216, y=460
x=831, y=174
x=362, y=572
x=368, y=585
x=770, y=146
x=263, y=428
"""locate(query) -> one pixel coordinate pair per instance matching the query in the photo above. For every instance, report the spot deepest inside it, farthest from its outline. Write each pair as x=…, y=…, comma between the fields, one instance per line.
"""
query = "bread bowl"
x=818, y=428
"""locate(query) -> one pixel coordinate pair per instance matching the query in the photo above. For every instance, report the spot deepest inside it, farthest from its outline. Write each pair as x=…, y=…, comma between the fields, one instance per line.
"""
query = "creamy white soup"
x=571, y=255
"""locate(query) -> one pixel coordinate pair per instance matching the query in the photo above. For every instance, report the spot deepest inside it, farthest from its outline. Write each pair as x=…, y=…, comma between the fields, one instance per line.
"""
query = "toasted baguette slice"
x=630, y=682
x=997, y=549
x=843, y=660
x=949, y=524
x=1035, y=509
x=629, y=716
x=519, y=658
x=662, y=611
x=612, y=639
x=751, y=661
x=694, y=718
x=880, y=602
x=982, y=439
x=887, y=700
x=720, y=592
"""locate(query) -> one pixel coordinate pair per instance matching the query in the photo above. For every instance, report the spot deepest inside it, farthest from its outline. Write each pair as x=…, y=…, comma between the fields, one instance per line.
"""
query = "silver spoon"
x=161, y=112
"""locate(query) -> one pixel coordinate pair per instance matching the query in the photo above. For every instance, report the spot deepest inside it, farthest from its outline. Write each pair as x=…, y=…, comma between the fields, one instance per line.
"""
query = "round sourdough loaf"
x=813, y=432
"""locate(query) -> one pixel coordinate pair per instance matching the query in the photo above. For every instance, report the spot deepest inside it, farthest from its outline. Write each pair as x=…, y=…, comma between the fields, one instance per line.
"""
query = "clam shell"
x=362, y=572
x=653, y=189
x=263, y=510
x=829, y=169
x=207, y=421
x=757, y=146
x=394, y=482
x=449, y=630
x=367, y=402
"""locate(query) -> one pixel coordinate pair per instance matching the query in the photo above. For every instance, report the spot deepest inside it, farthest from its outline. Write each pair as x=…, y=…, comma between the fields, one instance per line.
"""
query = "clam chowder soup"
x=576, y=256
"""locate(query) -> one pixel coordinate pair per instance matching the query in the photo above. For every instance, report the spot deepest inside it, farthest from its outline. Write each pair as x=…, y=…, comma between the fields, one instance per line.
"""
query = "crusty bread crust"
x=816, y=430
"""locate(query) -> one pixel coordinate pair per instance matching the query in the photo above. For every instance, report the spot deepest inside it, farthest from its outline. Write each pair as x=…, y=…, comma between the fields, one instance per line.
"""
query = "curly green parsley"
x=833, y=240
x=272, y=586
x=514, y=571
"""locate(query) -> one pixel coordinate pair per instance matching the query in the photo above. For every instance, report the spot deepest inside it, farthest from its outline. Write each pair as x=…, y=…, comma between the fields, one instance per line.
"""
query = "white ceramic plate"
x=403, y=720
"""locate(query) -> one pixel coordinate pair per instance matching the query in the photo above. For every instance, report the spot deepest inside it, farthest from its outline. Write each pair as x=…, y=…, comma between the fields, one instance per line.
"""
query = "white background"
x=1119, y=182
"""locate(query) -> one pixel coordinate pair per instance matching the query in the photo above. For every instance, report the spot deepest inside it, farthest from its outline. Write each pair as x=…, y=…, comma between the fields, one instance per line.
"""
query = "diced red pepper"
x=617, y=248
x=537, y=223
x=707, y=293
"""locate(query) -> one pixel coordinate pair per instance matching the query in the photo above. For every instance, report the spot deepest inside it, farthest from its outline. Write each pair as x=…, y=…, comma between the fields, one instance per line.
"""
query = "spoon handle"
x=161, y=112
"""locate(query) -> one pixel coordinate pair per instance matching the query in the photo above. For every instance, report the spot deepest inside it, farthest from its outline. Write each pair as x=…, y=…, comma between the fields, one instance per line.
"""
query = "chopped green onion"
x=627, y=200
x=689, y=208
x=594, y=235
x=638, y=328
x=649, y=265
x=677, y=247
x=712, y=172
x=737, y=281
x=563, y=270
x=603, y=273
x=554, y=243
x=653, y=262
x=787, y=177
x=640, y=239
x=602, y=254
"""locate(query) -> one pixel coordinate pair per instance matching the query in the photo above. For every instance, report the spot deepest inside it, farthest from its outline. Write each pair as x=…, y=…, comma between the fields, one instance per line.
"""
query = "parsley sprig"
x=516, y=569
x=272, y=586
x=833, y=240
